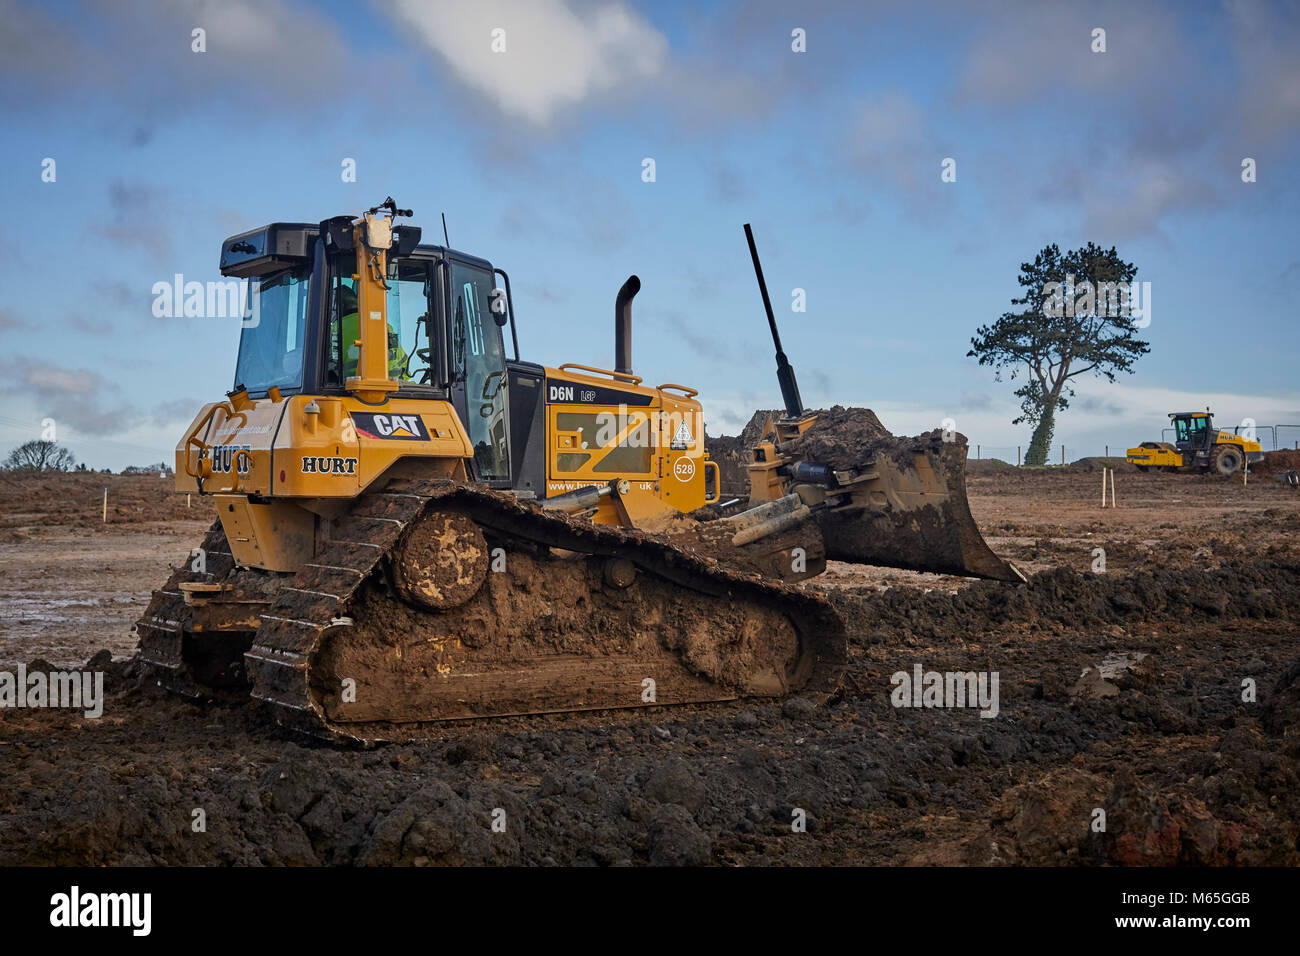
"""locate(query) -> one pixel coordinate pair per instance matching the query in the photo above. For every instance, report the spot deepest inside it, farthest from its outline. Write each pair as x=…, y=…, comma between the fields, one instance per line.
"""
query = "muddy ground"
x=1201, y=575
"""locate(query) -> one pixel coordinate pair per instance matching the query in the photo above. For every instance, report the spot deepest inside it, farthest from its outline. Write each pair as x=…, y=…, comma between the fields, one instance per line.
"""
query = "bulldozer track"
x=349, y=587
x=178, y=664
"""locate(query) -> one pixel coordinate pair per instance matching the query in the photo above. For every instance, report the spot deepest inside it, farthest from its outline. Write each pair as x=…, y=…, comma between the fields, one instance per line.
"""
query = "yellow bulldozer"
x=414, y=527
x=1197, y=446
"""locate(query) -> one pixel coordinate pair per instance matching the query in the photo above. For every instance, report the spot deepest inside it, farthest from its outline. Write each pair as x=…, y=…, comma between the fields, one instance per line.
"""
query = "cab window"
x=271, y=343
x=478, y=365
x=408, y=323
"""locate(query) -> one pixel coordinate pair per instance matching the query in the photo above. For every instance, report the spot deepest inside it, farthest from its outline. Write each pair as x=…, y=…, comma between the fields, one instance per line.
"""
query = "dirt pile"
x=1062, y=599
x=1120, y=465
x=1274, y=461
x=988, y=466
x=1075, y=817
x=843, y=438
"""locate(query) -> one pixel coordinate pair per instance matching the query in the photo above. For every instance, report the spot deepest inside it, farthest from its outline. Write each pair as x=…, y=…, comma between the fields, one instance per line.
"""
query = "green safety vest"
x=352, y=332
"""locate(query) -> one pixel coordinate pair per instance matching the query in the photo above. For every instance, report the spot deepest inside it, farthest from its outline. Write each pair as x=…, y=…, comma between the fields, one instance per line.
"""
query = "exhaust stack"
x=623, y=325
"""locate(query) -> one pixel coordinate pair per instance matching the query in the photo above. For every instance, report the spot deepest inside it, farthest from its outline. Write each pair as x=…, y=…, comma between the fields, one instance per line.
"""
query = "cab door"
x=478, y=370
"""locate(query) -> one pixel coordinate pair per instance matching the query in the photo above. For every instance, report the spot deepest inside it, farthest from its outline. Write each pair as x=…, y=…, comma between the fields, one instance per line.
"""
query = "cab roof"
x=282, y=245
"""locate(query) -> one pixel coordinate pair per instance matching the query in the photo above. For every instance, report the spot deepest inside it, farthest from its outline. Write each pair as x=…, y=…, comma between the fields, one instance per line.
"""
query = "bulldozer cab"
x=1192, y=430
x=457, y=292
x=302, y=326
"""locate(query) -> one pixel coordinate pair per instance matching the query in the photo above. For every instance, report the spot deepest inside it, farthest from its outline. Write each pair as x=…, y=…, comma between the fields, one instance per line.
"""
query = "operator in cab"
x=351, y=333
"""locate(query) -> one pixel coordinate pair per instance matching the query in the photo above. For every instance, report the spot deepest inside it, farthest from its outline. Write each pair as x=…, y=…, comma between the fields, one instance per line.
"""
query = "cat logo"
x=390, y=427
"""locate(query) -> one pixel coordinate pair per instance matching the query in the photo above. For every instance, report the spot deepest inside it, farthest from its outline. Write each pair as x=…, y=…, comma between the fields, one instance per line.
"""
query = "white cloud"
x=1030, y=51
x=1265, y=39
x=276, y=36
x=1144, y=195
x=557, y=54
x=78, y=397
x=890, y=143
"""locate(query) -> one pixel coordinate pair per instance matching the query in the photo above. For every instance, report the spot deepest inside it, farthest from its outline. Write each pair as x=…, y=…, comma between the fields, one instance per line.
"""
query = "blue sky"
x=535, y=154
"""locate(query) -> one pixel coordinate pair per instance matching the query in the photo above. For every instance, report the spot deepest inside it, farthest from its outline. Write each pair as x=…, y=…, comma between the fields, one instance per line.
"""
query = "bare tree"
x=40, y=456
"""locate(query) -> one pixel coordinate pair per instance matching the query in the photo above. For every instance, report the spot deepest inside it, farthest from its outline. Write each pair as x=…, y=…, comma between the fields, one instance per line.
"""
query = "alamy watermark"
x=1111, y=300
x=74, y=909
x=76, y=690
x=947, y=689
x=224, y=299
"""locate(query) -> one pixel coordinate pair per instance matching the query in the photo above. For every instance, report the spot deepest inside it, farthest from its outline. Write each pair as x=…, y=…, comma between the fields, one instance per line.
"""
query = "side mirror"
x=497, y=305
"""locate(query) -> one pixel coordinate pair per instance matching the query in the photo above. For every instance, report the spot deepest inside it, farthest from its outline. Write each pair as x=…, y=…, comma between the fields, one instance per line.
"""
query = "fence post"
x=977, y=451
x=105, y=506
x=1018, y=455
x=1107, y=451
x=1062, y=454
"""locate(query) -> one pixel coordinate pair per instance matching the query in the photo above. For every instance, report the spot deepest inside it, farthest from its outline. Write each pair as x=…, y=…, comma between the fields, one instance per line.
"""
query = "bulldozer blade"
x=897, y=502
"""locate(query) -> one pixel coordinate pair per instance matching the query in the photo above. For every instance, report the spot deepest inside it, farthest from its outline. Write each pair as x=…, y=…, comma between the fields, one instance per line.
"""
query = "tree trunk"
x=1040, y=444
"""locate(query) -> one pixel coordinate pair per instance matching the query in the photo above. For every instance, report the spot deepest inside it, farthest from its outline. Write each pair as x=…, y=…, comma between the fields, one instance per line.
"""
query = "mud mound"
x=1274, y=461
x=1049, y=822
x=1097, y=463
x=842, y=437
x=988, y=466
x=1062, y=597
